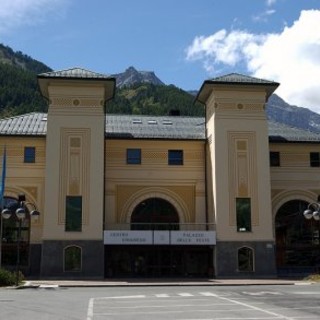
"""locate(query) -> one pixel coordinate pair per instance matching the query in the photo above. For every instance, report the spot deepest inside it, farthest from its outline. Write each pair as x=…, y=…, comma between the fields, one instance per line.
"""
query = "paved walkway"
x=162, y=282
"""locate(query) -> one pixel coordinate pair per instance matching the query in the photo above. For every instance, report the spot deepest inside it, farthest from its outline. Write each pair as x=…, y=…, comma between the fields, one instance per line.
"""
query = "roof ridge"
x=23, y=115
x=74, y=72
x=236, y=77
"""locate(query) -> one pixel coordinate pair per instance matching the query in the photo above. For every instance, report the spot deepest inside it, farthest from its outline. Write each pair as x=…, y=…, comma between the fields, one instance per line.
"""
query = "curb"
x=75, y=284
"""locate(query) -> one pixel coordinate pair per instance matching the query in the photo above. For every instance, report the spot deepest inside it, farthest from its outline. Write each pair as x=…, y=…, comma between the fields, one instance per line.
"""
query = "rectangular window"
x=274, y=159
x=73, y=213
x=133, y=156
x=243, y=208
x=29, y=154
x=175, y=157
x=314, y=159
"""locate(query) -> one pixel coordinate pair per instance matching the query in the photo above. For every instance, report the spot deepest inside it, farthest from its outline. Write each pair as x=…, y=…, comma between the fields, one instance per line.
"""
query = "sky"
x=185, y=42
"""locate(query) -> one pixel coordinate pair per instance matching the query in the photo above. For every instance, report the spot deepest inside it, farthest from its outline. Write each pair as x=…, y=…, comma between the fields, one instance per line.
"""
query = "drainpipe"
x=206, y=168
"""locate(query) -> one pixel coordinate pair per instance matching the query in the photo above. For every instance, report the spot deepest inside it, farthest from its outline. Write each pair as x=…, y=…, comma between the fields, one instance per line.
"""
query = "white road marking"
x=162, y=295
x=262, y=293
x=277, y=315
x=306, y=292
x=208, y=294
x=91, y=302
x=270, y=313
x=90, y=309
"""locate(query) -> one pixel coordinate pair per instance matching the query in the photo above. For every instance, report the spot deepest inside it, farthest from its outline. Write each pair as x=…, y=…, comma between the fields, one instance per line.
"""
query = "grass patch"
x=313, y=277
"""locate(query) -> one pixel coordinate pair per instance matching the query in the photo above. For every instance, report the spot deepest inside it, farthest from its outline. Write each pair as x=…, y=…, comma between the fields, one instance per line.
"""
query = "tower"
x=74, y=185
x=238, y=173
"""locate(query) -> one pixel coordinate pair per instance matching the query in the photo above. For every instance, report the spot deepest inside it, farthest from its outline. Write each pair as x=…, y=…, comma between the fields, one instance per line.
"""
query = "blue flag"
x=3, y=176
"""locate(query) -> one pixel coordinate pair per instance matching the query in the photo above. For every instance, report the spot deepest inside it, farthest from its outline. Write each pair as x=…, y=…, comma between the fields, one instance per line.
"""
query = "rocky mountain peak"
x=132, y=76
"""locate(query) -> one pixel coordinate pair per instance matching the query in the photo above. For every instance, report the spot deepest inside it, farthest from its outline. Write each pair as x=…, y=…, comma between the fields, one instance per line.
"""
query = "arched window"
x=155, y=214
x=245, y=259
x=10, y=232
x=297, y=239
x=72, y=259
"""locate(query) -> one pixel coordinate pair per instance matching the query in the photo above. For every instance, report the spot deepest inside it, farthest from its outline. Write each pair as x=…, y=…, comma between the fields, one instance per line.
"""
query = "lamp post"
x=313, y=212
x=20, y=214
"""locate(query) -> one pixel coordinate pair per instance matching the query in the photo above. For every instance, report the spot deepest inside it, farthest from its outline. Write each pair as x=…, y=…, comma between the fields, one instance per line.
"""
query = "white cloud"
x=264, y=15
x=18, y=13
x=291, y=57
x=270, y=2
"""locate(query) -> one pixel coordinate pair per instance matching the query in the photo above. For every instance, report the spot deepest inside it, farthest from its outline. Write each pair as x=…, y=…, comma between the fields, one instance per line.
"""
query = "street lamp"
x=315, y=214
x=20, y=214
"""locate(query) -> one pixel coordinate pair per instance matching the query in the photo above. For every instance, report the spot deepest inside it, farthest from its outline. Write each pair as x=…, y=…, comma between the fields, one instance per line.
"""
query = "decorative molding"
x=243, y=183
x=75, y=169
x=72, y=102
x=182, y=198
x=287, y=195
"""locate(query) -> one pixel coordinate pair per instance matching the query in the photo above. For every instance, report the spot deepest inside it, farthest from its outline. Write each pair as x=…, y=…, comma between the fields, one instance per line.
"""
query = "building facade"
x=122, y=196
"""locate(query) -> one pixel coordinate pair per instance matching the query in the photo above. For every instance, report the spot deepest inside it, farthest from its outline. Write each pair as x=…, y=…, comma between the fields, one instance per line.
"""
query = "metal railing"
x=161, y=226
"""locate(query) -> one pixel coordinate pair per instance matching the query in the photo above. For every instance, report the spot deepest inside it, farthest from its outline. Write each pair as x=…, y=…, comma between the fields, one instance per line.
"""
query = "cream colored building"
x=123, y=196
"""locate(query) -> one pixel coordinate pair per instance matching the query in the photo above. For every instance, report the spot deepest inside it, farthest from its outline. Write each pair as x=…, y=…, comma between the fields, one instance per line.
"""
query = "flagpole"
x=3, y=178
x=1, y=231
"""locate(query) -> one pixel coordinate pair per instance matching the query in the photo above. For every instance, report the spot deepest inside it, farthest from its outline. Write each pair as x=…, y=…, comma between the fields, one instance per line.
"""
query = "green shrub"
x=8, y=278
x=313, y=277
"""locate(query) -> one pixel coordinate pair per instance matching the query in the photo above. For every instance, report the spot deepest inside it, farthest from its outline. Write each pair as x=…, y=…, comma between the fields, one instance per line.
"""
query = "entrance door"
x=158, y=261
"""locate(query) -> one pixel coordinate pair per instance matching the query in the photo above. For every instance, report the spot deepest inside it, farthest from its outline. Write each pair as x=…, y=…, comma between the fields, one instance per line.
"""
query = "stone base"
x=226, y=260
x=52, y=260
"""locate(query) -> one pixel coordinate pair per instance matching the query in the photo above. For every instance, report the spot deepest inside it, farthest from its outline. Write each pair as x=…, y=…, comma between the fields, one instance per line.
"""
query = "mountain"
x=138, y=92
x=19, y=91
x=151, y=99
x=18, y=59
x=132, y=77
x=279, y=110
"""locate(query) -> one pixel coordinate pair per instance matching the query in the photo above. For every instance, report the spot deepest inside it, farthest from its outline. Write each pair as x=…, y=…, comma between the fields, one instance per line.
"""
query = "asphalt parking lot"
x=289, y=302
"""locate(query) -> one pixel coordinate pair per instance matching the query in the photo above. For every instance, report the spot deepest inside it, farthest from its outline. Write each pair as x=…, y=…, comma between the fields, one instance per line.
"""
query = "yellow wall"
x=294, y=179
x=128, y=185
x=183, y=185
x=26, y=178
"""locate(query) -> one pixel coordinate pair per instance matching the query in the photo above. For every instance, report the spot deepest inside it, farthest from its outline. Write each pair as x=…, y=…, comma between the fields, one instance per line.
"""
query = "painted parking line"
x=162, y=295
x=208, y=294
x=251, y=307
x=92, y=300
x=306, y=292
x=154, y=309
x=262, y=293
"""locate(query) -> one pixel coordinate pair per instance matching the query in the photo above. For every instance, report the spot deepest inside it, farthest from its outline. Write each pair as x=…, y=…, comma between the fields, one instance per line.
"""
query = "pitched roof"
x=78, y=73
x=30, y=124
x=149, y=127
x=279, y=132
x=154, y=127
x=234, y=79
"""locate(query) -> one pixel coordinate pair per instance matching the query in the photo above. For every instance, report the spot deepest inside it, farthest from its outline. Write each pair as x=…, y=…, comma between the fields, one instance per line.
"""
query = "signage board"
x=193, y=238
x=159, y=237
x=128, y=237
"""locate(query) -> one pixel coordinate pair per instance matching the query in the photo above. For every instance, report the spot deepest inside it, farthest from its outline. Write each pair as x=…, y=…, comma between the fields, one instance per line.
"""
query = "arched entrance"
x=157, y=218
x=154, y=214
x=297, y=240
x=10, y=231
